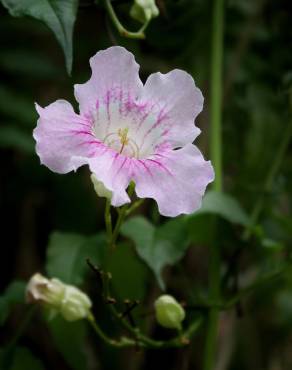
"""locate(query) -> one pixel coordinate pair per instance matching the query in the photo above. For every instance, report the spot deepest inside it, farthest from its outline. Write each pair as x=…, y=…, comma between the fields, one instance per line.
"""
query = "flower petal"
x=177, y=102
x=63, y=138
x=114, y=171
x=112, y=69
x=176, y=179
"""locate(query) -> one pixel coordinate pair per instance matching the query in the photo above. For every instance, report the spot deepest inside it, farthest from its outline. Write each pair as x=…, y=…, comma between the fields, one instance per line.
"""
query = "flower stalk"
x=123, y=213
x=108, y=218
x=138, y=338
x=121, y=29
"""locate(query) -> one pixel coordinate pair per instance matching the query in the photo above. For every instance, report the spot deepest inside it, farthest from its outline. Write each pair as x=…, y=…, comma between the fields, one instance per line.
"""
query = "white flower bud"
x=144, y=10
x=75, y=304
x=99, y=188
x=40, y=289
x=66, y=299
x=169, y=313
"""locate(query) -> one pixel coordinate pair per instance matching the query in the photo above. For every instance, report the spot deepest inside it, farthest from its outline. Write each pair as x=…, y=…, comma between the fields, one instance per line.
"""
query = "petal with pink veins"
x=114, y=171
x=112, y=69
x=63, y=138
x=176, y=179
x=177, y=103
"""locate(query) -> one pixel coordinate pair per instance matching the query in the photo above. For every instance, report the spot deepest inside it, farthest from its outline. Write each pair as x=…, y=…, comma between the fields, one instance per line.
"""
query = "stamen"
x=123, y=135
x=113, y=139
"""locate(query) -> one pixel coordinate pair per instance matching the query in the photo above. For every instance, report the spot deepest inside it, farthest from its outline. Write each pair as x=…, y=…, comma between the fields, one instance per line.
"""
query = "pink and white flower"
x=127, y=131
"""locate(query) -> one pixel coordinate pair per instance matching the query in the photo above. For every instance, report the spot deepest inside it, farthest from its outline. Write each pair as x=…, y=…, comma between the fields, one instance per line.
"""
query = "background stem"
x=216, y=92
x=216, y=157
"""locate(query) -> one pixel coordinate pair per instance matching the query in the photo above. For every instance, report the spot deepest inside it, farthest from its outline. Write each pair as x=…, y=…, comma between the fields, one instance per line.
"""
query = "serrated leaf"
x=67, y=253
x=13, y=294
x=223, y=205
x=58, y=15
x=158, y=247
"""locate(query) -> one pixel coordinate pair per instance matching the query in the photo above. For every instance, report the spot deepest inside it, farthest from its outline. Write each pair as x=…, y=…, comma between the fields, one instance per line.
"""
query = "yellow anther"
x=123, y=135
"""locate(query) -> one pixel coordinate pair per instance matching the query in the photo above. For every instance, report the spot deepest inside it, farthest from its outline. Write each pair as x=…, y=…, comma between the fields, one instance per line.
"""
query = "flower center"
x=122, y=143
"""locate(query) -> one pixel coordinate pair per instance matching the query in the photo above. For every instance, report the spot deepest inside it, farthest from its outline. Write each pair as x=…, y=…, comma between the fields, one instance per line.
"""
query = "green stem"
x=108, y=219
x=216, y=157
x=216, y=91
x=120, y=220
x=123, y=342
x=134, y=206
x=142, y=339
x=213, y=314
x=121, y=29
x=123, y=212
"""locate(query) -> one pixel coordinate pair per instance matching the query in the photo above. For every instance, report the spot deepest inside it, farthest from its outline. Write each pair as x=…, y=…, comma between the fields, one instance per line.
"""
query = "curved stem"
x=121, y=29
x=142, y=339
x=123, y=342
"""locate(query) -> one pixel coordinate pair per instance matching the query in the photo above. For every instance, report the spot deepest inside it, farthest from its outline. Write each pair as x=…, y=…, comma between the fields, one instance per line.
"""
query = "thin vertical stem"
x=216, y=91
x=216, y=157
x=122, y=215
x=108, y=218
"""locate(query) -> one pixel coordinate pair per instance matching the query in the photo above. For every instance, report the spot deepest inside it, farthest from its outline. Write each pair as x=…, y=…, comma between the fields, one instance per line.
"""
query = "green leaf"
x=19, y=358
x=69, y=338
x=16, y=138
x=223, y=205
x=67, y=253
x=58, y=15
x=24, y=360
x=25, y=112
x=13, y=294
x=29, y=63
x=129, y=282
x=159, y=247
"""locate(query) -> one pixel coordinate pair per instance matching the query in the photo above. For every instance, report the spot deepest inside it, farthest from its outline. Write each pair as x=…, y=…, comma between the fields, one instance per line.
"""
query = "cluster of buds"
x=144, y=10
x=65, y=299
x=169, y=313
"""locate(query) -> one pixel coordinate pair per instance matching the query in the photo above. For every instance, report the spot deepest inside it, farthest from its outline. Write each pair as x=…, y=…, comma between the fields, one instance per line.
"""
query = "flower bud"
x=144, y=10
x=99, y=188
x=40, y=289
x=169, y=313
x=75, y=304
x=68, y=300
